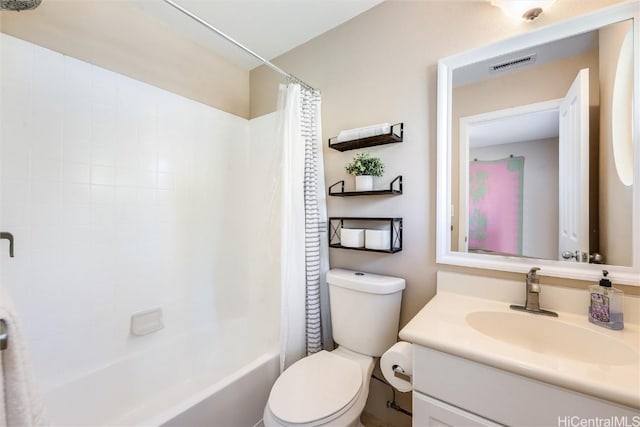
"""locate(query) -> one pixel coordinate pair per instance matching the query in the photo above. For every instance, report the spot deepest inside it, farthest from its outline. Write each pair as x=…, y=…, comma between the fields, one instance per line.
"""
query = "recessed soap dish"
x=146, y=322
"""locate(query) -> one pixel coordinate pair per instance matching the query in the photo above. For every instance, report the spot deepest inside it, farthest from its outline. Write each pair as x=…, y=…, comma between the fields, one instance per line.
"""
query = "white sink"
x=551, y=336
x=470, y=318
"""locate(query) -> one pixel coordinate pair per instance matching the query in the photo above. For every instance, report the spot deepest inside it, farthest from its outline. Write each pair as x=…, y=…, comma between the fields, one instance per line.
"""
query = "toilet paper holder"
x=399, y=373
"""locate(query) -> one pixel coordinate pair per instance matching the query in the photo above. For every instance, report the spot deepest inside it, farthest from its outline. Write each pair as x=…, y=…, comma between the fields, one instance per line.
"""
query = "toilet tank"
x=365, y=310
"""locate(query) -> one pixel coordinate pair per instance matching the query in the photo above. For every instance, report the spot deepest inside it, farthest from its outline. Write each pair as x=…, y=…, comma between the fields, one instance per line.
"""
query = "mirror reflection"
x=542, y=151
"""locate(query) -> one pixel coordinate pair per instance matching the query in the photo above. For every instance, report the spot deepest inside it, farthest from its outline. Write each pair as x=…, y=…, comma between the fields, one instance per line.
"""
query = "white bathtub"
x=191, y=382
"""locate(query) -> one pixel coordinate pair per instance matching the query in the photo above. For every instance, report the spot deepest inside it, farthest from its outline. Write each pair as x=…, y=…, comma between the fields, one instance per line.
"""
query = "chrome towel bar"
x=4, y=335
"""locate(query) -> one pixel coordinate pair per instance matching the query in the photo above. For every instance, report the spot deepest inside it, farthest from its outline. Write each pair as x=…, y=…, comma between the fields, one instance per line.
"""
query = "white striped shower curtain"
x=305, y=320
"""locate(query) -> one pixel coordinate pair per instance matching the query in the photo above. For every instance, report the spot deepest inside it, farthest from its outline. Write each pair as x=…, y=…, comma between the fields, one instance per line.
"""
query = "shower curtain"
x=305, y=322
x=495, y=205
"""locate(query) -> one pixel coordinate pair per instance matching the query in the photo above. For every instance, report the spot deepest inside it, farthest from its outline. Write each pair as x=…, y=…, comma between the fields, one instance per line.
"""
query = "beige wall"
x=616, y=198
x=119, y=37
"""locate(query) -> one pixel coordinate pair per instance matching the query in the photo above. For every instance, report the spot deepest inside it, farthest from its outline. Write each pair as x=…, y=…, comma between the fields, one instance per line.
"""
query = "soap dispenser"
x=606, y=304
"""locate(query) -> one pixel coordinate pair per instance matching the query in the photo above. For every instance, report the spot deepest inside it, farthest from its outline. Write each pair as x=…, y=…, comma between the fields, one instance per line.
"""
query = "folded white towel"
x=364, y=132
x=20, y=405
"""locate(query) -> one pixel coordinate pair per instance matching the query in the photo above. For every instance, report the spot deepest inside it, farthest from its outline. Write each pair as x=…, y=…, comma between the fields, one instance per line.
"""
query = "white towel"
x=20, y=405
x=364, y=132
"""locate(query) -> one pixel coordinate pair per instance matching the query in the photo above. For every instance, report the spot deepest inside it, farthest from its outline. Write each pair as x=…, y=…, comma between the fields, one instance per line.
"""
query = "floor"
x=369, y=420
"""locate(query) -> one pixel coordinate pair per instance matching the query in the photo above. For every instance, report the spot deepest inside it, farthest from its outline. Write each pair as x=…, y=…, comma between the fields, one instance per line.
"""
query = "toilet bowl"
x=331, y=388
x=327, y=388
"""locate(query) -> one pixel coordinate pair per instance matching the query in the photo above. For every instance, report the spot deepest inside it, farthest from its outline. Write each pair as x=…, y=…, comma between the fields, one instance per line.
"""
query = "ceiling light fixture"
x=524, y=9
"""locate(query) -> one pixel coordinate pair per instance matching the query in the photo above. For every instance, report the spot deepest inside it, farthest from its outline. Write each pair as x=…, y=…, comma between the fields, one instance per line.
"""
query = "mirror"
x=538, y=160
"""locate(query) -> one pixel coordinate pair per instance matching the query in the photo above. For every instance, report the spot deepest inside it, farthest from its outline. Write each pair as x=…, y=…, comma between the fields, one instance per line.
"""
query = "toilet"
x=331, y=388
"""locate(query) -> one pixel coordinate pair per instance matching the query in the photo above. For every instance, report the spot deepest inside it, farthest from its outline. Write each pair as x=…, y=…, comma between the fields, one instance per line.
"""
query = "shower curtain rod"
x=241, y=46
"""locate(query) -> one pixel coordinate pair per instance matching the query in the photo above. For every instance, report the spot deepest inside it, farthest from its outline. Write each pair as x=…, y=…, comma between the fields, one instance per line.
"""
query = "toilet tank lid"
x=364, y=282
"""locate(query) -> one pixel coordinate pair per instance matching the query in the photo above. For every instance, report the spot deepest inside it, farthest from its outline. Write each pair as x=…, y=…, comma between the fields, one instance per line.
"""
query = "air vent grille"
x=513, y=63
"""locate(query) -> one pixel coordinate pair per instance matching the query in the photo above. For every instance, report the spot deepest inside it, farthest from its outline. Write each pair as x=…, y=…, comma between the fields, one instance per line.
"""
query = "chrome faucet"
x=532, y=301
x=533, y=290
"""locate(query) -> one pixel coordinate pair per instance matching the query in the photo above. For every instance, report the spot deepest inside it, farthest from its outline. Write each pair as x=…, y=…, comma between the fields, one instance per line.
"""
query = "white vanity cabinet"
x=453, y=391
x=430, y=412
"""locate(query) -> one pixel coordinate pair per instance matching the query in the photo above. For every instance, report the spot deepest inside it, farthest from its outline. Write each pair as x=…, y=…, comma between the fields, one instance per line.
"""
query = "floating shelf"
x=395, y=227
x=391, y=191
x=395, y=135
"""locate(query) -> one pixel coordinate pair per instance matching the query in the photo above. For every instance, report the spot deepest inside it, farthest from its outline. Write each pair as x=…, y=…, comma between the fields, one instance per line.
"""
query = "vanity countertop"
x=443, y=325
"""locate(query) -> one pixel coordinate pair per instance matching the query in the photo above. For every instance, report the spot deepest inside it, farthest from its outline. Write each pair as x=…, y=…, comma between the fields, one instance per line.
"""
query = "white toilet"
x=331, y=388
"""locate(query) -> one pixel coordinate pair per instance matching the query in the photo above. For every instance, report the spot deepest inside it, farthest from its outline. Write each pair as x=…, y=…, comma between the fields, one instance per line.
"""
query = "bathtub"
x=188, y=383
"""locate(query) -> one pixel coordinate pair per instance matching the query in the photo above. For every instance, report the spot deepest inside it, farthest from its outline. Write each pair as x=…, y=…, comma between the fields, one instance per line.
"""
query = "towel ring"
x=4, y=335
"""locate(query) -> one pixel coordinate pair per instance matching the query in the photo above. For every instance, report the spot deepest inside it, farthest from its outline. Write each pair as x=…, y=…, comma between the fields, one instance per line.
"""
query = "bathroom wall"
x=381, y=66
x=123, y=197
x=118, y=36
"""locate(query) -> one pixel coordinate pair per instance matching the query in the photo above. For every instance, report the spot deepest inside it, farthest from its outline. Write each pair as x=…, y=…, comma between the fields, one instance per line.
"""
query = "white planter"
x=364, y=183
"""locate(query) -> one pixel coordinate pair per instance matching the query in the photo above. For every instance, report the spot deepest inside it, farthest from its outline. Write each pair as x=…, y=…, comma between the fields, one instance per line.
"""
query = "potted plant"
x=364, y=168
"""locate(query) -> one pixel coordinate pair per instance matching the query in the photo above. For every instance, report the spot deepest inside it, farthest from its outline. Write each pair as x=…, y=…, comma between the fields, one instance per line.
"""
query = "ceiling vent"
x=511, y=64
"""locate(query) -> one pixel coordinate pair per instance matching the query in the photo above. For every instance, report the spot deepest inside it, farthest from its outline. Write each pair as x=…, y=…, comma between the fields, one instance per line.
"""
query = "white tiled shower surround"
x=123, y=197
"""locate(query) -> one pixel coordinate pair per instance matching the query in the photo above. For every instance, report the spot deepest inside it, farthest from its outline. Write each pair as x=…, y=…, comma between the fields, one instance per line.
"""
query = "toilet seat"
x=333, y=383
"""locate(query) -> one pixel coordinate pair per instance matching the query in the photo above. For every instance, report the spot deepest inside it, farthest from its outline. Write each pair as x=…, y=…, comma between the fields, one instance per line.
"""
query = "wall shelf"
x=395, y=135
x=395, y=235
x=391, y=191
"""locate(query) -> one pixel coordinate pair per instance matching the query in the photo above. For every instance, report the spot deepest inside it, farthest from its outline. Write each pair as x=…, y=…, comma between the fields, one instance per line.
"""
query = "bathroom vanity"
x=476, y=362
x=445, y=383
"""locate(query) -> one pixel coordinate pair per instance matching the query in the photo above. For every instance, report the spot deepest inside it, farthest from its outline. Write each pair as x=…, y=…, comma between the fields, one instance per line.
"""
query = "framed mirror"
x=539, y=150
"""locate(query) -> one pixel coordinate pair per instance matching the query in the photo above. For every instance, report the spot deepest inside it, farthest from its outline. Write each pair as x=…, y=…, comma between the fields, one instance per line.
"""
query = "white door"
x=574, y=171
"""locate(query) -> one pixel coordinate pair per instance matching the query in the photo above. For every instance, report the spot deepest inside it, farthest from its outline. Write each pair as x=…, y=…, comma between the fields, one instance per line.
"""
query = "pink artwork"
x=495, y=205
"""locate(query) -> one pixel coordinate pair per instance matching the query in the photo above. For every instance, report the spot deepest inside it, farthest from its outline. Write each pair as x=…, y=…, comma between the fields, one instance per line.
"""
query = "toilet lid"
x=315, y=387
